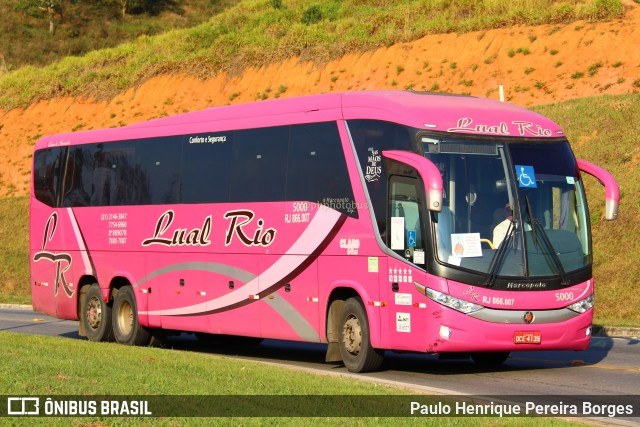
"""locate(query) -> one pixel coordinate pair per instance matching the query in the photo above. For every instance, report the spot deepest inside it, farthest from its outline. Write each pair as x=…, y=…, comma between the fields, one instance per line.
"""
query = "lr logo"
x=23, y=406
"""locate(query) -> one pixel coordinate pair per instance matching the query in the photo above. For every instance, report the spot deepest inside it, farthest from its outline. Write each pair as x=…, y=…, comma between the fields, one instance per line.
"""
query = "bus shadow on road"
x=313, y=353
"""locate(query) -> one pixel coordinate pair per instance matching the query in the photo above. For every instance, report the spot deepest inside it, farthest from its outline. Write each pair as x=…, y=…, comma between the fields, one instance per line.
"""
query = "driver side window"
x=405, y=208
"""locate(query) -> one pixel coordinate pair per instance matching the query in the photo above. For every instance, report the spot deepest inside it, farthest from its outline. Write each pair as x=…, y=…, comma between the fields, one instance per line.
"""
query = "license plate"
x=527, y=338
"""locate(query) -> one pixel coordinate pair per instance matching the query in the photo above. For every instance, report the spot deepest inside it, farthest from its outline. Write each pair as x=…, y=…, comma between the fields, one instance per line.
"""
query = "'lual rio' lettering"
x=180, y=236
x=528, y=128
x=242, y=218
x=465, y=125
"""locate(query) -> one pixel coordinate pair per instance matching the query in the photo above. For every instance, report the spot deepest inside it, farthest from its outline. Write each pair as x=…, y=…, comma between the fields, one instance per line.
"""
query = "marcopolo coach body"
x=365, y=220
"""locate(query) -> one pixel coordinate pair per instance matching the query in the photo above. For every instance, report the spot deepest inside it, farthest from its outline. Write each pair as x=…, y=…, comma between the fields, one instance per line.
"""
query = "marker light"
x=582, y=306
x=451, y=302
x=445, y=332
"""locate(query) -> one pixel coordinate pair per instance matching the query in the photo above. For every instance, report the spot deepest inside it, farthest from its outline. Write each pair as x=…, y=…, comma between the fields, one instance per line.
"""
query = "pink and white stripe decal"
x=84, y=254
x=313, y=236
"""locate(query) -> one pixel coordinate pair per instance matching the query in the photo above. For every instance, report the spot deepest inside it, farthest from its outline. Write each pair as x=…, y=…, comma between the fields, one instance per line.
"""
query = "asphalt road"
x=609, y=367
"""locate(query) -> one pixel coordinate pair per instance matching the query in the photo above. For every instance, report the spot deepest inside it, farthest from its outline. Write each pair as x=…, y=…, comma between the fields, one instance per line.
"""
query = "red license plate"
x=527, y=338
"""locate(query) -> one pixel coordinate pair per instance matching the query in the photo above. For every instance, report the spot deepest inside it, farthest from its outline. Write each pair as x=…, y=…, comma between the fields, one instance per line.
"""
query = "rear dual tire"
x=95, y=315
x=126, y=327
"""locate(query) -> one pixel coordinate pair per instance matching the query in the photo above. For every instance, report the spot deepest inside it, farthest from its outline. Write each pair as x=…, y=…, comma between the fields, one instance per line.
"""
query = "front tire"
x=355, y=346
x=95, y=315
x=126, y=327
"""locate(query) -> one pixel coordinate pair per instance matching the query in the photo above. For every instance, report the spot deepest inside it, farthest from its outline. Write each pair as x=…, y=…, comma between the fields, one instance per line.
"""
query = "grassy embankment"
x=14, y=251
x=85, y=26
x=603, y=130
x=47, y=366
x=255, y=33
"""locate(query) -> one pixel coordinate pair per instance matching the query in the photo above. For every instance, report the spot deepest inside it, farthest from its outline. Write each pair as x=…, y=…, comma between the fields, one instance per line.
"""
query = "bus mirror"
x=428, y=171
x=611, y=190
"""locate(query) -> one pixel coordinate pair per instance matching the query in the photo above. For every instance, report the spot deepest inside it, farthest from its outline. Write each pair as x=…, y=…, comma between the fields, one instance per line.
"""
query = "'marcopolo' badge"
x=528, y=317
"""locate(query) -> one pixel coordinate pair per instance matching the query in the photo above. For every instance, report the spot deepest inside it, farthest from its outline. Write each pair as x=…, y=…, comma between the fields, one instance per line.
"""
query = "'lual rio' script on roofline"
x=524, y=128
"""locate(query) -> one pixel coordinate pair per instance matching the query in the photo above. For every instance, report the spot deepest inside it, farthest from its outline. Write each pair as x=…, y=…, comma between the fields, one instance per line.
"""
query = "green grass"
x=90, y=25
x=604, y=130
x=255, y=33
x=49, y=366
x=14, y=247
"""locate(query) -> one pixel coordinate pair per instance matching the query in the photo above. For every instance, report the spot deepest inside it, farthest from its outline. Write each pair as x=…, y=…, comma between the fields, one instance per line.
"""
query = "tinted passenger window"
x=78, y=178
x=46, y=174
x=158, y=163
x=259, y=160
x=297, y=162
x=317, y=170
x=115, y=179
x=206, y=167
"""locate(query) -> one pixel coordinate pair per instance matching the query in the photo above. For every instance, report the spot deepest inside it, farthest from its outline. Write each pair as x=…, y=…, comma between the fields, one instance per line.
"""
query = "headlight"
x=582, y=306
x=458, y=304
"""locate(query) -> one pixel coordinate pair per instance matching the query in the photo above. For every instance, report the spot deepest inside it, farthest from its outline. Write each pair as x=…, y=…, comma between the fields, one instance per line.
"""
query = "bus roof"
x=429, y=111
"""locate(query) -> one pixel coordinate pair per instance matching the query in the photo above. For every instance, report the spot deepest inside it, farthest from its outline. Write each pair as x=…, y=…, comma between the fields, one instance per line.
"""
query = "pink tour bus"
x=369, y=221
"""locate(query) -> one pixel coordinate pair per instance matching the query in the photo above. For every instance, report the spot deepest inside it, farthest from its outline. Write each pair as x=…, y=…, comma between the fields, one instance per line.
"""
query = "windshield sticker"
x=526, y=176
x=454, y=260
x=466, y=245
x=411, y=238
x=397, y=233
x=418, y=256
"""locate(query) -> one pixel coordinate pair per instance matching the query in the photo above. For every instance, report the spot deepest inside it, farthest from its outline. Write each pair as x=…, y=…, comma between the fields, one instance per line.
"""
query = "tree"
x=50, y=7
x=128, y=5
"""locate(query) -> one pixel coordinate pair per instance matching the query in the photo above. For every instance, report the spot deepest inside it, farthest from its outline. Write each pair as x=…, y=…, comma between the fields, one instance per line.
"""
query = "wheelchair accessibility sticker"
x=526, y=176
x=411, y=238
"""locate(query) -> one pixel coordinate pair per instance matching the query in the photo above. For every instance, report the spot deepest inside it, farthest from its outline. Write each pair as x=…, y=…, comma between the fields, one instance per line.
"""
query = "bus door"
x=405, y=237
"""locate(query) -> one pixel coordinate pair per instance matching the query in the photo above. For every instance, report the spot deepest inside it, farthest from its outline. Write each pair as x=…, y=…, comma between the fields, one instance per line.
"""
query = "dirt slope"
x=536, y=65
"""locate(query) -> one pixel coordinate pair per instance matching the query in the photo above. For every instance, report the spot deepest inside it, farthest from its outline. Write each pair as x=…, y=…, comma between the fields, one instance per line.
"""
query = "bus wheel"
x=126, y=327
x=355, y=347
x=490, y=358
x=95, y=314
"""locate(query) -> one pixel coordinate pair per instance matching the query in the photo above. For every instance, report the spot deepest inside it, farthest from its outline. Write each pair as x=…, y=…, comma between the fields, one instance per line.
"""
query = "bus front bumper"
x=457, y=332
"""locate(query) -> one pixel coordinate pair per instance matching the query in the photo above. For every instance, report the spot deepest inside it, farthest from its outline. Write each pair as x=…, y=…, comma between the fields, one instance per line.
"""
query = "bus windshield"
x=510, y=208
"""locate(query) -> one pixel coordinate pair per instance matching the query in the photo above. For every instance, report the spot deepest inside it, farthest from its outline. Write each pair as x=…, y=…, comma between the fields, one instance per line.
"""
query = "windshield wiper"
x=540, y=238
x=498, y=258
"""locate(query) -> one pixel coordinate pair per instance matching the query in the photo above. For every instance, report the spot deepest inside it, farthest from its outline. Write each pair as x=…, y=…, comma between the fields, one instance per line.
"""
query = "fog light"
x=445, y=332
x=588, y=331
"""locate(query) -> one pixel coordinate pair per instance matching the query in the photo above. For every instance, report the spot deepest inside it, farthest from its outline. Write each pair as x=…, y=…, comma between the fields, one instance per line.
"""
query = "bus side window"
x=317, y=170
x=46, y=174
x=77, y=178
x=206, y=170
x=259, y=164
x=160, y=160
